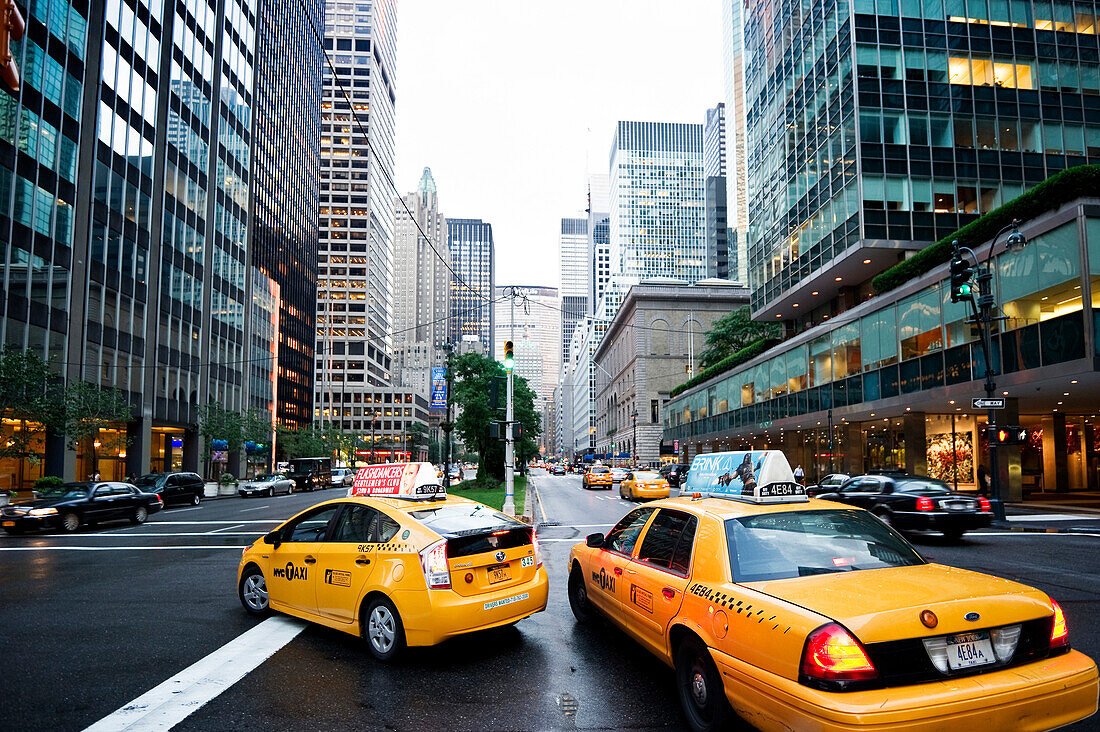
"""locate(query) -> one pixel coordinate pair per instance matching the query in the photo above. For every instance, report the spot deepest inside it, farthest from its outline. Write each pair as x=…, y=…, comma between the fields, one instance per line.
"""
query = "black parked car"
x=914, y=503
x=174, y=487
x=674, y=473
x=69, y=505
x=829, y=484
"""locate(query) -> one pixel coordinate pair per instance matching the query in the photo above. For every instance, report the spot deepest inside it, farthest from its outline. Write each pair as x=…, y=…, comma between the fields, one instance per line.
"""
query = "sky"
x=513, y=103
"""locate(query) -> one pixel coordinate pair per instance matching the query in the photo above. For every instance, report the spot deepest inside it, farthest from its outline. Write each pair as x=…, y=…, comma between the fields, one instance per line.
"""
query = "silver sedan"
x=266, y=485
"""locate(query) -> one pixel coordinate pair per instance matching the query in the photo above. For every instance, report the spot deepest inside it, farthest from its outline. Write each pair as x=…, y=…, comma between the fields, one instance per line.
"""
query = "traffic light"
x=1011, y=435
x=961, y=272
x=509, y=356
x=12, y=27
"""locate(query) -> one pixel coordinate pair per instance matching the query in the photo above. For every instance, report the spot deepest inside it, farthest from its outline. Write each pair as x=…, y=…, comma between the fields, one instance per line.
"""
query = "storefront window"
x=846, y=351
x=1092, y=232
x=1041, y=281
x=879, y=338
x=919, y=329
x=796, y=369
x=778, y=376
x=821, y=360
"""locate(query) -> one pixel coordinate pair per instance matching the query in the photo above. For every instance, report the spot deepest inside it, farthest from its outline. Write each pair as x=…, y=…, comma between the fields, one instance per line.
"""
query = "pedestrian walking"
x=799, y=474
x=983, y=481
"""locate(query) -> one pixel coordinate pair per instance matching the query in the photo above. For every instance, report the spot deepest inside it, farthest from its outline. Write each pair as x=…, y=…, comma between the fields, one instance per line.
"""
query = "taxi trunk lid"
x=879, y=605
x=488, y=561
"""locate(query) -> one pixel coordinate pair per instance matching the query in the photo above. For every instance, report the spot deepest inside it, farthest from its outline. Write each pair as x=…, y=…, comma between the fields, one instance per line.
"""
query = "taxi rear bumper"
x=448, y=614
x=646, y=492
x=1036, y=696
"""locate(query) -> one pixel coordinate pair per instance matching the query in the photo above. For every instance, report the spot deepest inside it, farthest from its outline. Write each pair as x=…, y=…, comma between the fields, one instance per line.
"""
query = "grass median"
x=490, y=495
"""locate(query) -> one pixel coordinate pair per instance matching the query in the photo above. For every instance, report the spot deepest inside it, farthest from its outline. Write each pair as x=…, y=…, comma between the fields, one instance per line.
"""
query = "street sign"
x=439, y=388
x=987, y=403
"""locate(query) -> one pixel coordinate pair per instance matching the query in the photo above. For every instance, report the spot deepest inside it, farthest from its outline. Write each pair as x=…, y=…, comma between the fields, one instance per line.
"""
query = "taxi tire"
x=253, y=571
x=699, y=686
x=578, y=598
x=385, y=608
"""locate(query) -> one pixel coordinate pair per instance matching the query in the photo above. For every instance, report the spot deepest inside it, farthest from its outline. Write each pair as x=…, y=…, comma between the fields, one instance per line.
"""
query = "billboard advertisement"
x=439, y=387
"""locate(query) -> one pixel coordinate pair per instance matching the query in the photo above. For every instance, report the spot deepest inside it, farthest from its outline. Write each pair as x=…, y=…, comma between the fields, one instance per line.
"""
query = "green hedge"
x=745, y=354
x=1060, y=188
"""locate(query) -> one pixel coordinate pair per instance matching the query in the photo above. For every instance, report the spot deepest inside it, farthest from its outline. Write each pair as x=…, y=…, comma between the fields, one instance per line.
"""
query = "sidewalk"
x=1054, y=513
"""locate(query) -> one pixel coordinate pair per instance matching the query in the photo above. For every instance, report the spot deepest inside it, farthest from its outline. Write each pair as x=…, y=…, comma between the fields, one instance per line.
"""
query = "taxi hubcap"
x=699, y=688
x=255, y=592
x=381, y=629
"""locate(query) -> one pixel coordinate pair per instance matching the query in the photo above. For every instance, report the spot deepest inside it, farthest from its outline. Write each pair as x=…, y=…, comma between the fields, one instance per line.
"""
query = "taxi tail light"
x=433, y=560
x=833, y=654
x=925, y=504
x=983, y=504
x=1059, y=632
x=538, y=549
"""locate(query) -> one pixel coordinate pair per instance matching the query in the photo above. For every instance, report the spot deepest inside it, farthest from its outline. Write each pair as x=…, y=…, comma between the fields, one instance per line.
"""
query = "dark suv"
x=173, y=487
x=310, y=474
x=674, y=473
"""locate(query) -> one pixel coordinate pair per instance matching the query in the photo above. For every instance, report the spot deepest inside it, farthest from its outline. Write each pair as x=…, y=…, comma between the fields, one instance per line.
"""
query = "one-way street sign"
x=987, y=403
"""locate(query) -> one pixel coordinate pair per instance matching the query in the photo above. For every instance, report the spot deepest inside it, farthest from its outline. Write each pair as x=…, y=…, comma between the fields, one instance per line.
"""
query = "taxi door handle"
x=631, y=571
x=362, y=561
x=619, y=571
x=669, y=593
x=309, y=560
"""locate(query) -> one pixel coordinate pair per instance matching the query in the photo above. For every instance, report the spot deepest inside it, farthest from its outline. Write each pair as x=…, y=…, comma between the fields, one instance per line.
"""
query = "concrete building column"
x=137, y=451
x=852, y=462
x=55, y=458
x=190, y=451
x=1009, y=464
x=916, y=443
x=1055, y=463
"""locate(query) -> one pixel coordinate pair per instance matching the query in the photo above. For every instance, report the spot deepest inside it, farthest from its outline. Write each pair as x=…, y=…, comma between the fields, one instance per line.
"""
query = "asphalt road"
x=94, y=620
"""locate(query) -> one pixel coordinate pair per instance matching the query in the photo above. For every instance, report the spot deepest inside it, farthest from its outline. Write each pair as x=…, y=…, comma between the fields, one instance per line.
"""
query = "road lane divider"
x=234, y=547
x=168, y=704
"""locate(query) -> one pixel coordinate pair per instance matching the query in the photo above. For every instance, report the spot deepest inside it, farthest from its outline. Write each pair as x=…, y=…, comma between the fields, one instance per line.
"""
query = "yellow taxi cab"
x=643, y=484
x=397, y=562
x=795, y=613
x=597, y=475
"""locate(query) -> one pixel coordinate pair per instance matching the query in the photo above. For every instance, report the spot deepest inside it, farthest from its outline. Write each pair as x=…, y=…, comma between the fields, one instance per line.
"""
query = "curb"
x=1037, y=529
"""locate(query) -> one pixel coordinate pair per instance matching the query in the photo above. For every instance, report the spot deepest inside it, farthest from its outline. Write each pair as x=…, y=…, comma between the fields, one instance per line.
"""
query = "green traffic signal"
x=509, y=357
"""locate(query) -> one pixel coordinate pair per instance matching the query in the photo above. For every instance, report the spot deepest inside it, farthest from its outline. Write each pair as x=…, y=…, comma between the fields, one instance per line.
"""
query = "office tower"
x=573, y=256
x=714, y=172
x=656, y=208
x=421, y=283
x=125, y=168
x=733, y=46
x=355, y=273
x=285, y=164
x=599, y=242
x=472, y=256
x=530, y=317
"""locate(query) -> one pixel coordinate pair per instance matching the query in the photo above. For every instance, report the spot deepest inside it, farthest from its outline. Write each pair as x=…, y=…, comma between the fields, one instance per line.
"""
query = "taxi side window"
x=624, y=536
x=311, y=527
x=356, y=524
x=387, y=528
x=664, y=545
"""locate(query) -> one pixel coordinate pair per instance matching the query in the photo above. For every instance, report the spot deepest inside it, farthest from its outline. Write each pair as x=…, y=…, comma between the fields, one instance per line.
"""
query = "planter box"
x=225, y=489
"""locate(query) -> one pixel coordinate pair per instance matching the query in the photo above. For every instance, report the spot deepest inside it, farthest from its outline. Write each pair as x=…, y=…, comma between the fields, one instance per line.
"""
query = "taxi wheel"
x=702, y=696
x=578, y=598
x=383, y=629
x=253, y=592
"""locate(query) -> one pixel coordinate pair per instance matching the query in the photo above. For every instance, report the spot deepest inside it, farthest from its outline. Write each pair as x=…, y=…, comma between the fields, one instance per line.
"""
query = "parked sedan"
x=829, y=484
x=70, y=505
x=266, y=485
x=174, y=487
x=914, y=503
x=342, y=477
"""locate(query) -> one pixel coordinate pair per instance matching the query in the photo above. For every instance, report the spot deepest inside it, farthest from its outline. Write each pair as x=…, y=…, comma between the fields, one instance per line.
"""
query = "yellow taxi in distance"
x=597, y=475
x=800, y=614
x=643, y=484
x=397, y=562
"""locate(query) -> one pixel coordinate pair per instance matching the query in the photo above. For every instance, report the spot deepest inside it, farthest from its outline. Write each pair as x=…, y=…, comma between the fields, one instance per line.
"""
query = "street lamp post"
x=983, y=317
x=634, y=417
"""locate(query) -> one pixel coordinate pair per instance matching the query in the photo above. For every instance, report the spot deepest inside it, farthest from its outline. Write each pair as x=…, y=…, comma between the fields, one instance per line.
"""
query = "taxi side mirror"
x=630, y=476
x=594, y=540
x=272, y=537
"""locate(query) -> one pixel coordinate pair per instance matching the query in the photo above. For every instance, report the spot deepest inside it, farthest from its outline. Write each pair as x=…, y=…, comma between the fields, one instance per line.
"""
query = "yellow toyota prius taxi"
x=799, y=614
x=397, y=562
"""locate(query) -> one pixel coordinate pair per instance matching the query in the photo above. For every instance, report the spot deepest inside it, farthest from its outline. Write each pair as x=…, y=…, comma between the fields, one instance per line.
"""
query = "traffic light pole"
x=509, y=507
x=447, y=426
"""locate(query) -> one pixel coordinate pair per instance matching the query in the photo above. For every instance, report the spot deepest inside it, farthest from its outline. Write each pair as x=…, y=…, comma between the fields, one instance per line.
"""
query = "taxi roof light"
x=1059, y=632
x=833, y=654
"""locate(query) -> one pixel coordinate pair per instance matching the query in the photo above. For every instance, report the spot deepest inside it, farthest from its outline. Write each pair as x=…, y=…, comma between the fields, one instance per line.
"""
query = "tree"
x=473, y=375
x=417, y=438
x=304, y=442
x=218, y=423
x=732, y=332
x=31, y=394
x=89, y=409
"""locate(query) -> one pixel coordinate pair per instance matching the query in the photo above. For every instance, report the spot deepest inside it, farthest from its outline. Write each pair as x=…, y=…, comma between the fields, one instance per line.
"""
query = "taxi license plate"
x=9, y=523
x=969, y=649
x=499, y=573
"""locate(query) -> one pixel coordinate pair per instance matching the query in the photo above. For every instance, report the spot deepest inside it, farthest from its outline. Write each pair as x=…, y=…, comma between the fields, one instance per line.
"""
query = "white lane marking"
x=1028, y=533
x=576, y=540
x=225, y=528
x=1053, y=517
x=236, y=547
x=181, y=510
x=255, y=532
x=199, y=523
x=575, y=526
x=168, y=704
x=246, y=510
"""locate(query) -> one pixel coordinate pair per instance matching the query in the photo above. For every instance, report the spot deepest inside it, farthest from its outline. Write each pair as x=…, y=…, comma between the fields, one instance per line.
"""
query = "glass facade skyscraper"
x=573, y=258
x=473, y=257
x=877, y=131
x=716, y=186
x=286, y=168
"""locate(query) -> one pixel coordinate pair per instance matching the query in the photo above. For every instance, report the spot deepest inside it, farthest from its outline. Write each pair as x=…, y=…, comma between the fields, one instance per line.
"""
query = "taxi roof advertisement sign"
x=761, y=476
x=400, y=480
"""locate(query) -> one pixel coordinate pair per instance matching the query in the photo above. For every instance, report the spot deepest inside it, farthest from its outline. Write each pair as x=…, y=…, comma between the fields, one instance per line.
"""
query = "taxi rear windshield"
x=597, y=470
x=802, y=543
x=464, y=519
